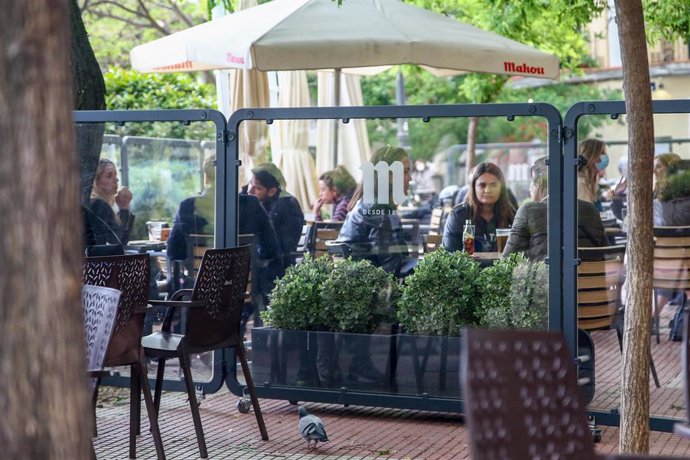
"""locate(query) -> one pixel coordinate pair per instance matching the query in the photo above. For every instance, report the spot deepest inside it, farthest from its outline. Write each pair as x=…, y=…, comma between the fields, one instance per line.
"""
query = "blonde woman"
x=112, y=221
x=662, y=163
x=593, y=162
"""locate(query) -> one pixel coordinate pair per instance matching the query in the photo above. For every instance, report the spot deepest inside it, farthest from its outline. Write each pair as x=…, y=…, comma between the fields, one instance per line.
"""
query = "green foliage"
x=116, y=27
x=316, y=295
x=441, y=295
x=131, y=90
x=674, y=186
x=667, y=20
x=529, y=295
x=296, y=301
x=358, y=296
x=514, y=294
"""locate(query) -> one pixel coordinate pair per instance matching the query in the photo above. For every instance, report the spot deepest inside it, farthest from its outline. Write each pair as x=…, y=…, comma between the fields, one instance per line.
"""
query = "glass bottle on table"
x=468, y=237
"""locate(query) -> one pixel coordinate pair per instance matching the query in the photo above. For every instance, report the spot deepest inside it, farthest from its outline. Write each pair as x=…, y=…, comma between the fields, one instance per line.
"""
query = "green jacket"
x=530, y=229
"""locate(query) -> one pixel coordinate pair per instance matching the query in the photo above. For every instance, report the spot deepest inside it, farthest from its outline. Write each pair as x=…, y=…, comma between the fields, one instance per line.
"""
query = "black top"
x=108, y=228
x=484, y=232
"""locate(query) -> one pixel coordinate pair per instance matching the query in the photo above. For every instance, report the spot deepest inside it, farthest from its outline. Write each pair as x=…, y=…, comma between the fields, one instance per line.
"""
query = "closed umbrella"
x=249, y=88
x=290, y=140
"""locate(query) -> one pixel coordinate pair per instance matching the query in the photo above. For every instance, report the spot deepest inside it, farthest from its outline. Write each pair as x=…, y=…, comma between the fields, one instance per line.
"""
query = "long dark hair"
x=503, y=210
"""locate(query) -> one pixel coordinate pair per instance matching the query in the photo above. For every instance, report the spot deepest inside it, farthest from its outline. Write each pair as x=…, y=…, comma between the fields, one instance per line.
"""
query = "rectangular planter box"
x=395, y=364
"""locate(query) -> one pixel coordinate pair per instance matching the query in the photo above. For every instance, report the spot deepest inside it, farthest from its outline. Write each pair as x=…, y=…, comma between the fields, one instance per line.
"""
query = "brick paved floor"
x=360, y=432
x=355, y=433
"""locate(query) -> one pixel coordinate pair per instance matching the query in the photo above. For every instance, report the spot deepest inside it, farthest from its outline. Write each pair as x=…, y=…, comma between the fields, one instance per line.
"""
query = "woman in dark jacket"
x=486, y=205
x=112, y=221
x=373, y=231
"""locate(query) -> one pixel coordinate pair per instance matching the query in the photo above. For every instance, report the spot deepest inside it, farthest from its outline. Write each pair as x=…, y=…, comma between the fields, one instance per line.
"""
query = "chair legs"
x=241, y=354
x=140, y=380
x=191, y=394
x=652, y=367
x=657, y=320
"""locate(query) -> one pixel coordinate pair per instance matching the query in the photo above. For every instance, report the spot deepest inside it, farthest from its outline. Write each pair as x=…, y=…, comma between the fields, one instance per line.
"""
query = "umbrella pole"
x=336, y=103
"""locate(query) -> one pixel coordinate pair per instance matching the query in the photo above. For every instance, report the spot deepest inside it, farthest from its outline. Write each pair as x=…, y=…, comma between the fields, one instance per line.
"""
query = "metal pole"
x=403, y=132
x=336, y=103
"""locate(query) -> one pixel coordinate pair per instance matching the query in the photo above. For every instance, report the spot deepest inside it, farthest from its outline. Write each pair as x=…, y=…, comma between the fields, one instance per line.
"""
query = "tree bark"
x=44, y=400
x=634, y=431
x=89, y=94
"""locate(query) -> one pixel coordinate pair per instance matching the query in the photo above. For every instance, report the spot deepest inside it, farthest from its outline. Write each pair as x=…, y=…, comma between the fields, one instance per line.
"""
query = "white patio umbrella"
x=320, y=34
x=359, y=36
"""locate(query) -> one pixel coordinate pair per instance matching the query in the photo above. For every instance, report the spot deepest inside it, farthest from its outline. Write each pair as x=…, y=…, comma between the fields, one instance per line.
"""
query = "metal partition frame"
x=427, y=112
x=229, y=208
x=570, y=260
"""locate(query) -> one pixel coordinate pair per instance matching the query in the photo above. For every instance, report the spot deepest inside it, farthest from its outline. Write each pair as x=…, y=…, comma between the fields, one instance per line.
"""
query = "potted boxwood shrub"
x=438, y=299
x=310, y=307
x=514, y=294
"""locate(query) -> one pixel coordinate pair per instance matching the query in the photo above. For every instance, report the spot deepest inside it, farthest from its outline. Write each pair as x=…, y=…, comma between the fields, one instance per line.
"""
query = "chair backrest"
x=198, y=244
x=130, y=275
x=322, y=233
x=432, y=242
x=221, y=282
x=598, y=286
x=99, y=306
x=521, y=396
x=436, y=221
x=671, y=258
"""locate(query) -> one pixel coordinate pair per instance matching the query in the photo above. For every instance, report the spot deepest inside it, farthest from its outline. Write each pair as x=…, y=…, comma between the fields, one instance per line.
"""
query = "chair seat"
x=162, y=344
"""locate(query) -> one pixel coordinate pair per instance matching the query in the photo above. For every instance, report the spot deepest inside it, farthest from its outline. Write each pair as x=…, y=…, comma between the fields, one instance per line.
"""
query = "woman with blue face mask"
x=593, y=162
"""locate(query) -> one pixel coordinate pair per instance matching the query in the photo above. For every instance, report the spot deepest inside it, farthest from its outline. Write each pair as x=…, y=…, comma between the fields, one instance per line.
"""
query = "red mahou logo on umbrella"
x=522, y=68
x=234, y=59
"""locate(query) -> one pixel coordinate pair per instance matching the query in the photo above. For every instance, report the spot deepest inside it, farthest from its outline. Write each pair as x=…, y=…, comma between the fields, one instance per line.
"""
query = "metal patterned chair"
x=130, y=275
x=213, y=322
x=522, y=399
x=99, y=309
x=99, y=306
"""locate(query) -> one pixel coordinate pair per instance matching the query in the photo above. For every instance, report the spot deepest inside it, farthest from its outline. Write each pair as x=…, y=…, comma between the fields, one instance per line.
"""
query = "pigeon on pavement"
x=311, y=428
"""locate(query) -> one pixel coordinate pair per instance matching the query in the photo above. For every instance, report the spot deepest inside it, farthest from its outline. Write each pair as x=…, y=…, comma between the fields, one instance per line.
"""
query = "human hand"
x=123, y=198
x=317, y=206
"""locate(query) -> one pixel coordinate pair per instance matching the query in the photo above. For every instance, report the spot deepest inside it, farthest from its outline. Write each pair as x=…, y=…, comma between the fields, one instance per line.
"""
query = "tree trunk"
x=44, y=400
x=89, y=94
x=634, y=431
x=471, y=158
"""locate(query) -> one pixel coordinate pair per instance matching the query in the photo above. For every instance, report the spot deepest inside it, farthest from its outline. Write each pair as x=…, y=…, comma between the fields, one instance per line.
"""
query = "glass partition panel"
x=136, y=177
x=374, y=218
x=669, y=178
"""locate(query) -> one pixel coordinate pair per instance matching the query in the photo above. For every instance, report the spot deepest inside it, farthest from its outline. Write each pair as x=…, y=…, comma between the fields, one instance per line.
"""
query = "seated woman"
x=593, y=163
x=374, y=230
x=529, y=233
x=486, y=205
x=336, y=188
x=671, y=191
x=110, y=216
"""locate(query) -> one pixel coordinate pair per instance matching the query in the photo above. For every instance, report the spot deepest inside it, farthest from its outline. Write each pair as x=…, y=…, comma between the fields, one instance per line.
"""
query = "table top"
x=145, y=245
